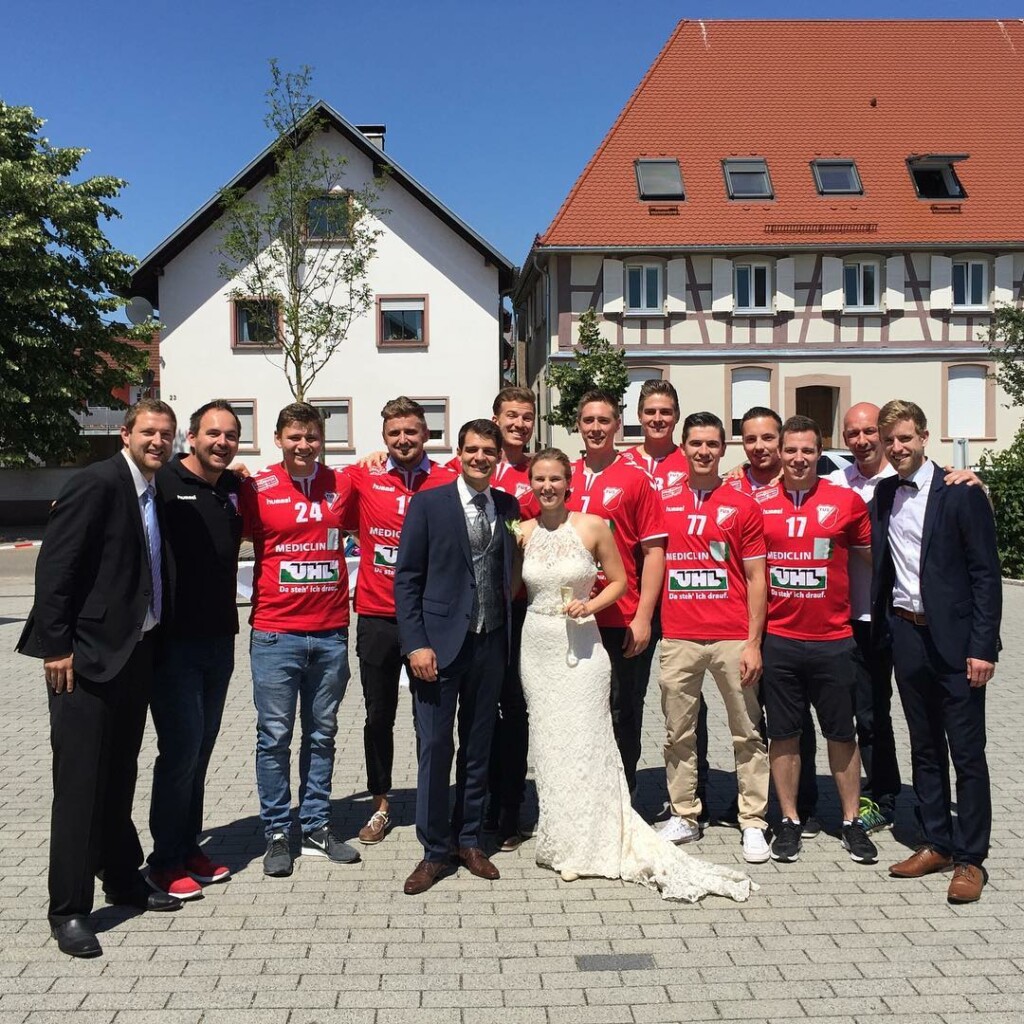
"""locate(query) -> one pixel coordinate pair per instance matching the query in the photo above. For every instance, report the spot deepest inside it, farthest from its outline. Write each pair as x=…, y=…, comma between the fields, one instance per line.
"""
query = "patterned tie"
x=481, y=527
x=153, y=543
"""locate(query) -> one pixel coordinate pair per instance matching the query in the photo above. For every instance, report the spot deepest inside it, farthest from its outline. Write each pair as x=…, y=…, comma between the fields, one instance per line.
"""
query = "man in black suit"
x=99, y=595
x=453, y=591
x=937, y=597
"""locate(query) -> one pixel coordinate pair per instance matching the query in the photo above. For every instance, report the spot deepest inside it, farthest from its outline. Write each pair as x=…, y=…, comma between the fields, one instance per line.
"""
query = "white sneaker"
x=755, y=846
x=678, y=830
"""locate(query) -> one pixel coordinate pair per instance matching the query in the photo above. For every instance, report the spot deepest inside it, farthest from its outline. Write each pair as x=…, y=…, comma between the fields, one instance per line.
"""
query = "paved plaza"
x=823, y=938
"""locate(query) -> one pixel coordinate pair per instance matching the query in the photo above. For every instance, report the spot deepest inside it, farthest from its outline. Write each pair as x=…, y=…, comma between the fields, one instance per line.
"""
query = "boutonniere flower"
x=515, y=527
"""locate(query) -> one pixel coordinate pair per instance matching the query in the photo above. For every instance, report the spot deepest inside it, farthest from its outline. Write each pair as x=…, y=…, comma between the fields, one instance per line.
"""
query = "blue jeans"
x=189, y=689
x=310, y=669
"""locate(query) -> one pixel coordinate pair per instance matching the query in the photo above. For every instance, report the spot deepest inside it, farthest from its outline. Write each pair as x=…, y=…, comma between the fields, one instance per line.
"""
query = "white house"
x=434, y=332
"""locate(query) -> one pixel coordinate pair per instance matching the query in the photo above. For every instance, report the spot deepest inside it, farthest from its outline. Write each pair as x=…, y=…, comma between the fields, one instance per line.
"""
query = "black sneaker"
x=322, y=842
x=786, y=845
x=856, y=842
x=729, y=818
x=277, y=861
x=811, y=827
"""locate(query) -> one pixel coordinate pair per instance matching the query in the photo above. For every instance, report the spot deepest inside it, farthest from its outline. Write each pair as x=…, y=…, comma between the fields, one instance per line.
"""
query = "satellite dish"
x=138, y=310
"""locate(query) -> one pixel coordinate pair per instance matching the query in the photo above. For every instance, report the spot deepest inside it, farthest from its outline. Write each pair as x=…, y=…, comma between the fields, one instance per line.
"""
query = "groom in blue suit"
x=453, y=591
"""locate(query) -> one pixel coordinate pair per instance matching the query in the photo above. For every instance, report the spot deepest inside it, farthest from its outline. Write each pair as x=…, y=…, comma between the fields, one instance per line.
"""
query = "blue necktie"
x=153, y=543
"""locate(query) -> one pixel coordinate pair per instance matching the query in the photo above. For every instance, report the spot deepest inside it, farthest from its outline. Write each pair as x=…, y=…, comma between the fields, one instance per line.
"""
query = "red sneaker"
x=175, y=882
x=204, y=870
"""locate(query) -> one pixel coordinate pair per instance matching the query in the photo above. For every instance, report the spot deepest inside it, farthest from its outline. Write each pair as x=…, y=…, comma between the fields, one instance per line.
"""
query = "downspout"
x=546, y=276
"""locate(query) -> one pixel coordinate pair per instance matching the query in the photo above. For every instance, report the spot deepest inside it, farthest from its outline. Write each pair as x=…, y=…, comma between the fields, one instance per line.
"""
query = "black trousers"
x=467, y=689
x=95, y=734
x=380, y=667
x=873, y=668
x=946, y=721
x=510, y=745
x=629, y=677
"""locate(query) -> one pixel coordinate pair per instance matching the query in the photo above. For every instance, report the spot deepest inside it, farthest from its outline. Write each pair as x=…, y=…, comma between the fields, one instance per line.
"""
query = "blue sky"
x=493, y=107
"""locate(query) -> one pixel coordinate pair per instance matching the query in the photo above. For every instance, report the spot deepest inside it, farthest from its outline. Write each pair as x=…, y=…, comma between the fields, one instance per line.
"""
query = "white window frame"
x=646, y=308
x=970, y=265
x=976, y=373
x=753, y=266
x=631, y=432
x=761, y=375
x=860, y=306
x=326, y=407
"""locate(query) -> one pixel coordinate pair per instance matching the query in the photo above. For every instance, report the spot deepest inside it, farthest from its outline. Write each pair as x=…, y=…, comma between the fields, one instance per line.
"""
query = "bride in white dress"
x=587, y=823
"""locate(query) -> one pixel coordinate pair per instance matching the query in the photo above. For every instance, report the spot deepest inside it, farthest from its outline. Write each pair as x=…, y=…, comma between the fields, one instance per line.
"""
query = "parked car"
x=832, y=459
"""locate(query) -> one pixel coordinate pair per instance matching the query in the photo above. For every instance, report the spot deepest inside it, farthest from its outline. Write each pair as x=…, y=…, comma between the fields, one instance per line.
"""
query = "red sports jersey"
x=808, y=559
x=709, y=541
x=376, y=510
x=673, y=469
x=300, y=581
x=746, y=485
x=513, y=479
x=624, y=494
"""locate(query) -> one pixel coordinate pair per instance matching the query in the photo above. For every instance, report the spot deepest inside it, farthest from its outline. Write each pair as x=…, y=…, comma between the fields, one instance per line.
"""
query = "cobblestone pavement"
x=823, y=938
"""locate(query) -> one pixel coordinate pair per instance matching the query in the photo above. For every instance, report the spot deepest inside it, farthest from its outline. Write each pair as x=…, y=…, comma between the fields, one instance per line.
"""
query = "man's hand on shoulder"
x=59, y=672
x=979, y=672
x=962, y=476
x=372, y=461
x=423, y=664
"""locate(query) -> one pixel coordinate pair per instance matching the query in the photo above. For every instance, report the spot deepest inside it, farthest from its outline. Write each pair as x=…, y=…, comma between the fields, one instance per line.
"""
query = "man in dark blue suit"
x=453, y=591
x=937, y=598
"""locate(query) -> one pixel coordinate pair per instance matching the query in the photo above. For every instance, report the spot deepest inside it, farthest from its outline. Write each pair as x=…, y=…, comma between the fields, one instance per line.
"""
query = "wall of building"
x=417, y=255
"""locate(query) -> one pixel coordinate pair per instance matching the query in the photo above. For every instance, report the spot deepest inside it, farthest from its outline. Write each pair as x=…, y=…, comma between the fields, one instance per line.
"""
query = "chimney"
x=375, y=133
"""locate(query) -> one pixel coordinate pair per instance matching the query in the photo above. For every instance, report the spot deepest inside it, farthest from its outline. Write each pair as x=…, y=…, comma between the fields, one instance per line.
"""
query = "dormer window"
x=747, y=179
x=934, y=176
x=659, y=179
x=837, y=178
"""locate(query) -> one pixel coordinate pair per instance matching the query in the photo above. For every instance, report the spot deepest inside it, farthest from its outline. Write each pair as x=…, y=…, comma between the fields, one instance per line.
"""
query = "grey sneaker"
x=872, y=817
x=277, y=861
x=322, y=842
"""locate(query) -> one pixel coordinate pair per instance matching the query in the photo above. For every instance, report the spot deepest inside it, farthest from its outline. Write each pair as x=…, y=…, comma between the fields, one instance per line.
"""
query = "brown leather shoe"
x=925, y=861
x=476, y=860
x=966, y=885
x=375, y=829
x=424, y=875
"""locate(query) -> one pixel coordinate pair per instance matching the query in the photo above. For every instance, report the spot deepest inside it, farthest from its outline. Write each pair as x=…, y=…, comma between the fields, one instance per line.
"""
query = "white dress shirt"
x=860, y=572
x=141, y=486
x=469, y=510
x=906, y=532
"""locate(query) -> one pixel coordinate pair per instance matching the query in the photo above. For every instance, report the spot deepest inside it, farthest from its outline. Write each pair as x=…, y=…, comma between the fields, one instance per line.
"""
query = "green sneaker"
x=871, y=816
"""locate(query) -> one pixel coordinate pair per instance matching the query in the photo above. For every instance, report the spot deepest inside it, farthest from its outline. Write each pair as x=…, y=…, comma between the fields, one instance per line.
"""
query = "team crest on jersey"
x=675, y=476
x=725, y=514
x=611, y=498
x=330, y=497
x=521, y=489
x=266, y=482
x=828, y=515
x=766, y=494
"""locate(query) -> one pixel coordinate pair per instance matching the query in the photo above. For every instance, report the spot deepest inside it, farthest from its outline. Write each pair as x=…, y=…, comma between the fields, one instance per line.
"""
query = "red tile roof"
x=795, y=91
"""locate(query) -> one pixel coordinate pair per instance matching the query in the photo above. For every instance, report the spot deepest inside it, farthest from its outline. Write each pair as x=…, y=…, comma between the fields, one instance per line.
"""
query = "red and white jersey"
x=809, y=536
x=512, y=478
x=300, y=581
x=623, y=494
x=377, y=498
x=668, y=471
x=711, y=537
x=747, y=484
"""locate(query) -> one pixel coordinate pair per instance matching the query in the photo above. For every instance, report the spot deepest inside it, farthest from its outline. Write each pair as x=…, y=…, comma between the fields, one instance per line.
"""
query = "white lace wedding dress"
x=587, y=824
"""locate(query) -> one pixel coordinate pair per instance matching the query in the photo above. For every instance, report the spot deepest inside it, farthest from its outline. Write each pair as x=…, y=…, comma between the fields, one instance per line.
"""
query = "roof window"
x=747, y=179
x=836, y=177
x=934, y=176
x=659, y=179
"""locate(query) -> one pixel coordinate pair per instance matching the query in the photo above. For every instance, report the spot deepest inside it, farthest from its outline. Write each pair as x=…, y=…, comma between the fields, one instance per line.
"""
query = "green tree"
x=596, y=363
x=1003, y=473
x=1006, y=342
x=59, y=282
x=302, y=243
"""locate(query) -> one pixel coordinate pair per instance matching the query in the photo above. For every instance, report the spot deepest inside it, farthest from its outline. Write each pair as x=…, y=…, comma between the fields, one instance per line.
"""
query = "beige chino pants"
x=683, y=664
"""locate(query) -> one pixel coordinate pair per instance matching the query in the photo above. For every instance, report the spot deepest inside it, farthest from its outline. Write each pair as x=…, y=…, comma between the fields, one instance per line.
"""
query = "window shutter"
x=1004, y=279
x=785, y=285
x=965, y=401
x=894, y=274
x=675, y=300
x=831, y=283
x=942, y=282
x=721, y=286
x=613, y=286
